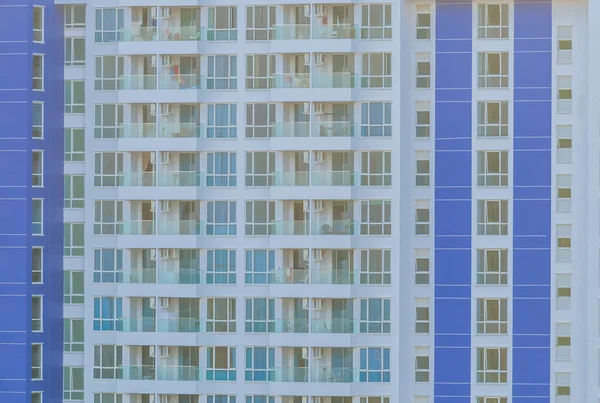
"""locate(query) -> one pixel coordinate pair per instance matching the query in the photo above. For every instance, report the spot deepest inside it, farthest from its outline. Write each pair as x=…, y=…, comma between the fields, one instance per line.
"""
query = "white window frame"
x=258, y=228
x=423, y=120
x=213, y=131
x=214, y=321
x=422, y=169
x=254, y=33
x=37, y=124
x=376, y=79
x=563, y=387
x=37, y=369
x=71, y=201
x=71, y=342
x=73, y=58
x=563, y=342
x=564, y=185
x=71, y=107
x=259, y=179
x=213, y=227
x=495, y=399
x=423, y=22
x=109, y=35
x=422, y=218
x=116, y=397
x=564, y=45
x=103, y=128
x=564, y=94
x=254, y=274
x=492, y=367
x=375, y=228
x=253, y=63
x=564, y=239
x=70, y=15
x=383, y=168
x=492, y=316
x=38, y=31
x=108, y=225
x=37, y=397
x=262, y=131
x=486, y=124
x=564, y=143
x=486, y=220
x=486, y=77
x=374, y=273
x=71, y=248
x=252, y=374
x=422, y=364
x=381, y=129
x=215, y=79
x=107, y=258
x=70, y=295
x=213, y=398
x=485, y=276
x=102, y=83
x=422, y=266
x=254, y=325
x=230, y=370
x=228, y=176
x=422, y=316
x=37, y=265
x=37, y=227
x=110, y=179
x=38, y=81
x=70, y=392
x=486, y=29
x=375, y=325
x=423, y=71
x=37, y=322
x=563, y=291
x=366, y=370
x=71, y=154
x=490, y=174
x=383, y=31
x=37, y=173
x=111, y=318
x=212, y=275
x=214, y=32
x=110, y=371
x=374, y=399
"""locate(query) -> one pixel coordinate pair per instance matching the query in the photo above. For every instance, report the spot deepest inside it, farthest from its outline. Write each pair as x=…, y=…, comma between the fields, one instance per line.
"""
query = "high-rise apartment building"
x=280, y=202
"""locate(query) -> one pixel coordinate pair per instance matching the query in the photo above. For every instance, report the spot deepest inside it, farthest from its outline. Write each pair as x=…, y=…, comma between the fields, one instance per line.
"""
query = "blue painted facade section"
x=16, y=194
x=532, y=201
x=452, y=203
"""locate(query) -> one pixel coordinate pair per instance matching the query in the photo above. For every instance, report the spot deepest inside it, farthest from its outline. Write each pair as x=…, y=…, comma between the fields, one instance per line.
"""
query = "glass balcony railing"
x=138, y=324
x=137, y=34
x=138, y=372
x=181, y=227
x=334, y=325
x=334, y=80
x=290, y=80
x=181, y=130
x=137, y=82
x=139, y=227
x=335, y=129
x=295, y=178
x=291, y=325
x=179, y=373
x=289, y=276
x=180, y=178
x=137, y=276
x=288, y=374
x=188, y=33
x=334, y=178
x=334, y=374
x=291, y=129
x=292, y=31
x=137, y=130
x=181, y=276
x=180, y=325
x=334, y=277
x=335, y=227
x=181, y=82
x=336, y=31
x=290, y=228
x=138, y=179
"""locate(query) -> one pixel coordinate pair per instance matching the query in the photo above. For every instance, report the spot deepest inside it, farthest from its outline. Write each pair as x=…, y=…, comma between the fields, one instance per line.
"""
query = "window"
x=38, y=24
x=563, y=193
x=73, y=236
x=260, y=168
x=492, y=266
x=260, y=21
x=492, y=365
x=37, y=358
x=74, y=97
x=259, y=363
x=423, y=70
x=493, y=21
x=37, y=265
x=38, y=72
x=222, y=121
x=375, y=315
x=37, y=313
x=374, y=399
x=492, y=119
x=423, y=127
x=259, y=263
x=109, y=21
x=375, y=266
x=220, y=266
x=37, y=168
x=260, y=315
x=376, y=21
x=492, y=168
x=37, y=216
x=260, y=120
x=107, y=264
x=74, y=145
x=422, y=217
x=222, y=24
x=108, y=362
x=374, y=364
x=259, y=69
x=74, y=191
x=423, y=22
x=222, y=73
x=221, y=218
x=259, y=216
x=563, y=243
x=108, y=398
x=564, y=143
x=75, y=16
x=422, y=266
x=376, y=168
x=74, y=52
x=376, y=119
x=563, y=291
x=563, y=387
x=376, y=217
x=492, y=400
x=107, y=120
x=107, y=71
x=493, y=70
x=376, y=70
x=563, y=341
x=422, y=168
x=492, y=316
x=73, y=287
x=565, y=45
x=37, y=125
x=36, y=397
x=108, y=169
x=221, y=169
x=422, y=364
x=107, y=313
x=73, y=335
x=108, y=217
x=220, y=315
x=492, y=217
x=260, y=399
x=564, y=94
x=422, y=315
x=73, y=383
x=220, y=364
x=220, y=399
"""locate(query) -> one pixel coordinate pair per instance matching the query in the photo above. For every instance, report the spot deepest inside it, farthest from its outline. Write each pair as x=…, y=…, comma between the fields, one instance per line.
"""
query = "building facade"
x=279, y=202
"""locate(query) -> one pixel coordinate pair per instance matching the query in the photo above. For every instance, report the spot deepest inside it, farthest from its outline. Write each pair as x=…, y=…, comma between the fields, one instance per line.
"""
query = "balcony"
x=291, y=31
x=137, y=82
x=181, y=178
x=139, y=227
x=137, y=33
x=181, y=276
x=137, y=276
x=335, y=31
x=163, y=82
x=181, y=227
x=137, y=324
x=137, y=373
x=137, y=130
x=289, y=374
x=334, y=325
x=182, y=130
x=179, y=373
x=180, y=325
x=321, y=227
x=334, y=374
x=185, y=33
